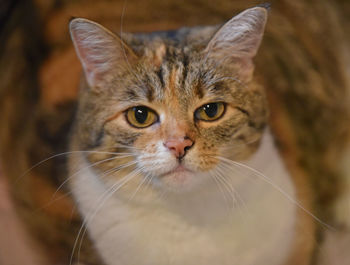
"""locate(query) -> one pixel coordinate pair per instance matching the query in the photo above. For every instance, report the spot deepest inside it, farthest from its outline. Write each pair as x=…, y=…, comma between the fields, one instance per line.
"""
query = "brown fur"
x=175, y=92
x=303, y=70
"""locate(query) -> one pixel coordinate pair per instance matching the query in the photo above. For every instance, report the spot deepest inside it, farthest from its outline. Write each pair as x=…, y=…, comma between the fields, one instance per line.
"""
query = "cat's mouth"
x=180, y=173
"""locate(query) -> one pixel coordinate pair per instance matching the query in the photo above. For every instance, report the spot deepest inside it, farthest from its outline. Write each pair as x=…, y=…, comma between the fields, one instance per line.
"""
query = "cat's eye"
x=141, y=116
x=210, y=111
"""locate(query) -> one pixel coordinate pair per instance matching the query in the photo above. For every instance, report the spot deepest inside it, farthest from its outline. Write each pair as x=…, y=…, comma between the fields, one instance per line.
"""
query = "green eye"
x=210, y=111
x=141, y=116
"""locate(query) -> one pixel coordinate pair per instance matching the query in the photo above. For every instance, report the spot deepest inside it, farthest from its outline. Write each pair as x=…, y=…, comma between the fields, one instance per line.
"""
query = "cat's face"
x=172, y=112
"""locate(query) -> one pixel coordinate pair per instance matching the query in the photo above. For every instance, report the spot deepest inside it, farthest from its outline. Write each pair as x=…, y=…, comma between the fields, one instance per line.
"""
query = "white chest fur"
x=201, y=229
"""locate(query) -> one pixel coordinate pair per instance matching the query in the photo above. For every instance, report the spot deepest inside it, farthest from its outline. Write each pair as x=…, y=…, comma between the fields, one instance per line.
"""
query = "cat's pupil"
x=211, y=109
x=141, y=114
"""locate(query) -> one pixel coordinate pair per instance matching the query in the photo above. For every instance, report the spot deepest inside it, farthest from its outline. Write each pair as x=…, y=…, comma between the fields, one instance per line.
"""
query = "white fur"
x=197, y=227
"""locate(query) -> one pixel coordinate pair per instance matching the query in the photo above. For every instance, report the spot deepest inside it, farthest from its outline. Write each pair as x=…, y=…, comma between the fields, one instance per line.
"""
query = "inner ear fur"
x=100, y=51
x=238, y=40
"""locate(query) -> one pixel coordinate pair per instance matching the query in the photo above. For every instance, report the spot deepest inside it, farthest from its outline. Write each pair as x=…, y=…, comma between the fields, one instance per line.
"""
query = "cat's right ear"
x=101, y=52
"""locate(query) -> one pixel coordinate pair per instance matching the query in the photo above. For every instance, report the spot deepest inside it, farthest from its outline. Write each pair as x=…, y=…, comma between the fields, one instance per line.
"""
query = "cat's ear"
x=237, y=41
x=101, y=52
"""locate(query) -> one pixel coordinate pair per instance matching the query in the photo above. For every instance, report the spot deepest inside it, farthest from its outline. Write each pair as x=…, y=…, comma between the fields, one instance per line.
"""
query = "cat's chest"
x=205, y=232
x=165, y=238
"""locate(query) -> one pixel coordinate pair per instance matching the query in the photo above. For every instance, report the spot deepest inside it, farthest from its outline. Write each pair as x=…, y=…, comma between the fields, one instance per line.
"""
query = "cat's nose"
x=179, y=146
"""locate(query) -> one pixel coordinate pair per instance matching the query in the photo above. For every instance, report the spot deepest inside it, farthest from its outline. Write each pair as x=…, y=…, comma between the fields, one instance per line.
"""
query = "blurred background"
x=304, y=63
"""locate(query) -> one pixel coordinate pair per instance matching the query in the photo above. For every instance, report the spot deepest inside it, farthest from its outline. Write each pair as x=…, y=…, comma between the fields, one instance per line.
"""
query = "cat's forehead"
x=175, y=73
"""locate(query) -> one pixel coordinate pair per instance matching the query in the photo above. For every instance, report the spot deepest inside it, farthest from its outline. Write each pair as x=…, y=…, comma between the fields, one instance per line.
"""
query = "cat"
x=177, y=129
x=304, y=78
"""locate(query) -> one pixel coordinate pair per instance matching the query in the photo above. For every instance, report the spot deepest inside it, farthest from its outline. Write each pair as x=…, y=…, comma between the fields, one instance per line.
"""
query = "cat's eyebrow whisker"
x=276, y=187
x=123, y=48
x=100, y=202
x=224, y=78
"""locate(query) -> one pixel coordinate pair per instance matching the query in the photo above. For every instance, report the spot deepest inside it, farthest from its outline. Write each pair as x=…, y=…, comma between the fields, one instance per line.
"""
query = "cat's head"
x=173, y=108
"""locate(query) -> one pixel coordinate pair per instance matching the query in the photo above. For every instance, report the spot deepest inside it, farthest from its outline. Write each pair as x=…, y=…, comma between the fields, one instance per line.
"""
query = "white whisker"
x=227, y=186
x=218, y=183
x=275, y=186
x=140, y=185
x=235, y=195
x=62, y=154
x=103, y=198
x=87, y=167
x=113, y=170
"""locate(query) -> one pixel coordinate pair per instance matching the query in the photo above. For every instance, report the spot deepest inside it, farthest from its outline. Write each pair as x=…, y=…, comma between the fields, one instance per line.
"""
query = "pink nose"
x=179, y=146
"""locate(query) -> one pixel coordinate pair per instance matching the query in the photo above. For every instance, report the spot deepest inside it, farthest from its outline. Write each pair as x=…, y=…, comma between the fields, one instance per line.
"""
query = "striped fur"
x=304, y=75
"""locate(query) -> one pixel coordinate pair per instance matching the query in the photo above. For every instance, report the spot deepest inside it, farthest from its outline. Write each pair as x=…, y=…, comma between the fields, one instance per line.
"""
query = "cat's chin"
x=180, y=179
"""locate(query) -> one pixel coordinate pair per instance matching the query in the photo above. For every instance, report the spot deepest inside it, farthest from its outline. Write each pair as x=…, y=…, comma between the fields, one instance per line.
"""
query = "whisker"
x=52, y=201
x=103, y=198
x=102, y=203
x=105, y=173
x=238, y=197
x=275, y=186
x=139, y=186
x=237, y=170
x=235, y=79
x=119, y=145
x=225, y=185
x=218, y=184
x=87, y=167
x=123, y=48
x=228, y=185
x=62, y=154
x=118, y=168
x=240, y=144
x=230, y=189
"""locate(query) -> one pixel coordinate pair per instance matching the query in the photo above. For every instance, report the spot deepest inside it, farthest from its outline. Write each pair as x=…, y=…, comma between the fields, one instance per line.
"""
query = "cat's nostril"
x=179, y=146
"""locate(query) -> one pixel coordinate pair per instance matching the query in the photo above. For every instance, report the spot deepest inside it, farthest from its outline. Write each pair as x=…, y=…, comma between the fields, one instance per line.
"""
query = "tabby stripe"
x=160, y=76
x=185, y=68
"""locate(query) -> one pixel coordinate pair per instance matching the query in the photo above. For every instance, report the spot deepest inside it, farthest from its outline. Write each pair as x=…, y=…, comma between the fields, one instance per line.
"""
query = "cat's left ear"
x=101, y=52
x=237, y=41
